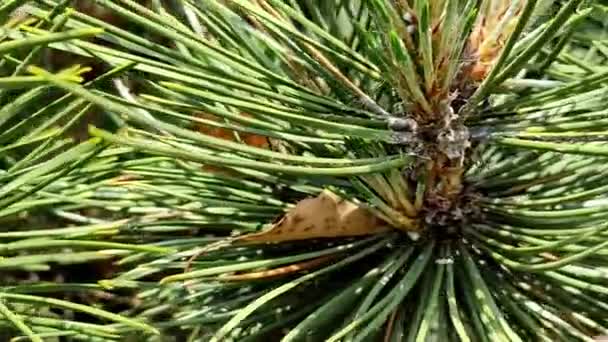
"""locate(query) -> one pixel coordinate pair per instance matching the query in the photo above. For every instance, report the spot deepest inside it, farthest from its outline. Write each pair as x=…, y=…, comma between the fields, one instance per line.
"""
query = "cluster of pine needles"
x=303, y=170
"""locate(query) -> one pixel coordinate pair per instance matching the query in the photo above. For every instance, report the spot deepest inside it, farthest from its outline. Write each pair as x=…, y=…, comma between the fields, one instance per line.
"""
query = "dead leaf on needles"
x=325, y=216
x=228, y=134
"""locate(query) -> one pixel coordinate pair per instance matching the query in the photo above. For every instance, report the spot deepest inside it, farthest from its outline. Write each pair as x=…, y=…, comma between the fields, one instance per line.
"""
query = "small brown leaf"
x=228, y=134
x=325, y=216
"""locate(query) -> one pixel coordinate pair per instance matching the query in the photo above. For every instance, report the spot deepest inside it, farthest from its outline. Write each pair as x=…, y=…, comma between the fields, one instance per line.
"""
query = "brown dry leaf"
x=325, y=216
x=227, y=134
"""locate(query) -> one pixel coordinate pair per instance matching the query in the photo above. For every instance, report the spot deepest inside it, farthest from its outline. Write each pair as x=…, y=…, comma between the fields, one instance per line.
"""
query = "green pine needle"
x=476, y=129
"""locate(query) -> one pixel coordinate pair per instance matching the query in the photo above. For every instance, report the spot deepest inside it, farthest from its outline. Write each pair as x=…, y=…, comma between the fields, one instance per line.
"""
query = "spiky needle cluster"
x=477, y=127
